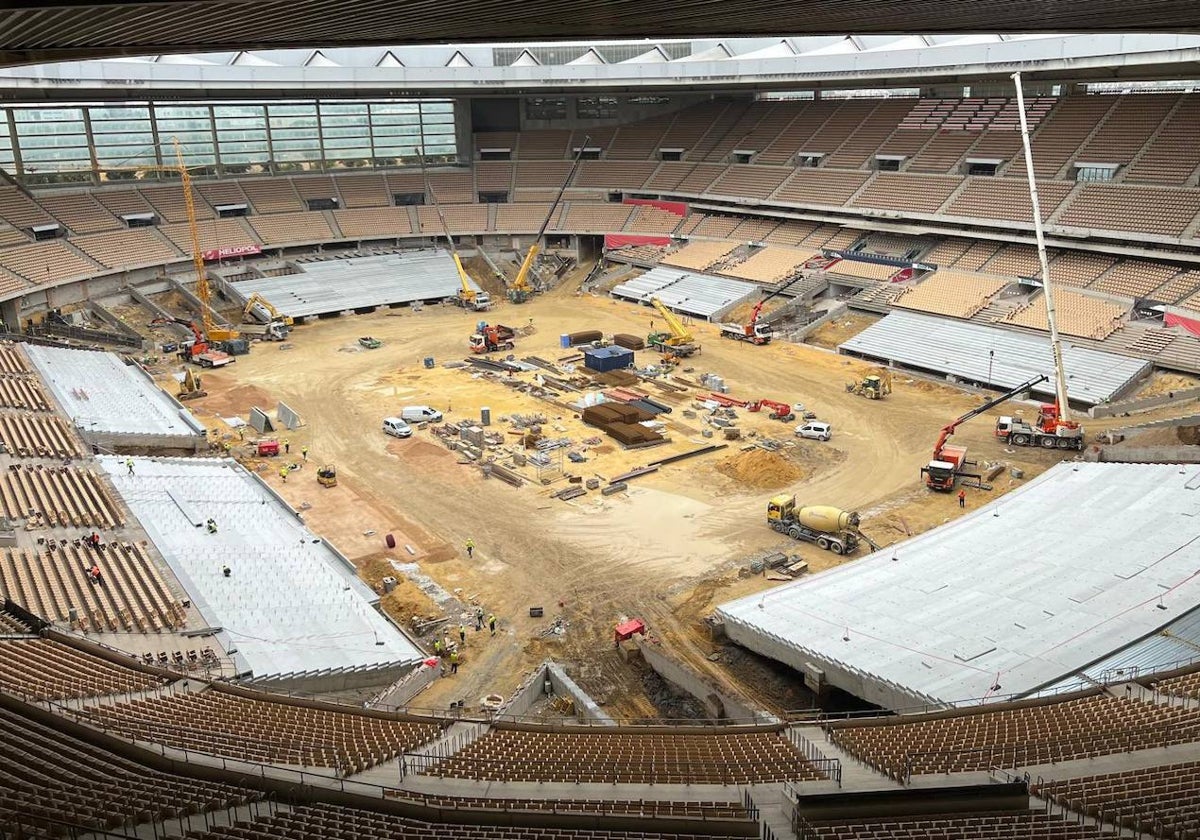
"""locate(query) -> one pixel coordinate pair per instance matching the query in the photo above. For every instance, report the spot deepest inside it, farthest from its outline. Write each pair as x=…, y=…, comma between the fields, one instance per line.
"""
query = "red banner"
x=676, y=207
x=1189, y=324
x=233, y=251
x=620, y=240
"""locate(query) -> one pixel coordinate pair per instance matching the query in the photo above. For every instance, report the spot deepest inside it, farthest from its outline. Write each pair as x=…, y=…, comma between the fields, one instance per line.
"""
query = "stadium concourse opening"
x=671, y=435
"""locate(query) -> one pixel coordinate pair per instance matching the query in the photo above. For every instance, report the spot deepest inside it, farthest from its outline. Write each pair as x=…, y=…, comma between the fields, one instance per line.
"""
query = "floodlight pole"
x=1060, y=376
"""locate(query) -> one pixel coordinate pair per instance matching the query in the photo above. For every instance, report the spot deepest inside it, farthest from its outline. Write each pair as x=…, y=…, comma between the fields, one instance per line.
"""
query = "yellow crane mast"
x=211, y=330
x=678, y=340
x=521, y=288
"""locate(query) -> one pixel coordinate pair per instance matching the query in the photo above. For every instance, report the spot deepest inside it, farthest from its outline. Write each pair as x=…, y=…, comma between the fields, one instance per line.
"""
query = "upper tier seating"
x=292, y=228
x=864, y=270
x=1166, y=212
x=754, y=230
x=316, y=188
x=952, y=293
x=1128, y=127
x=690, y=178
x=1166, y=799
x=40, y=669
x=795, y=233
x=271, y=195
x=322, y=822
x=821, y=187
x=748, y=181
x=648, y=219
x=912, y=193
x=943, y=152
x=171, y=206
x=1173, y=155
x=613, y=175
x=1057, y=139
x=1020, y=736
x=716, y=227
x=493, y=176
x=55, y=585
x=1077, y=314
x=19, y=211
x=46, y=262
x=461, y=218
x=596, y=218
x=214, y=233
x=1016, y=261
x=80, y=212
x=374, y=221
x=1006, y=198
x=222, y=193
x=700, y=255
x=547, y=144
x=127, y=248
x=49, y=775
x=265, y=731
x=124, y=202
x=518, y=218
x=865, y=139
x=366, y=190
x=668, y=758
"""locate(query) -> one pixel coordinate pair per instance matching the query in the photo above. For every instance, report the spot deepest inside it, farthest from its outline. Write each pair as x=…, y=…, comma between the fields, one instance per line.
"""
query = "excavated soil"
x=761, y=469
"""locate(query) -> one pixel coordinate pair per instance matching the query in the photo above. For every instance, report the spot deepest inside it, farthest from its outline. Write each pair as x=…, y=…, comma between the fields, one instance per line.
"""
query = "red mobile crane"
x=199, y=350
x=948, y=460
x=752, y=330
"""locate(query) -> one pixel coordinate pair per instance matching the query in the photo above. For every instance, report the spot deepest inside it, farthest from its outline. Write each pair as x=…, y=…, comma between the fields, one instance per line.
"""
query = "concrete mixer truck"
x=830, y=528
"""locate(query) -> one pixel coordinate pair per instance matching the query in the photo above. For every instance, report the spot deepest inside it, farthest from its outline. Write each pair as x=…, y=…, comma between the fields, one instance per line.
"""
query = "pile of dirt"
x=741, y=314
x=760, y=469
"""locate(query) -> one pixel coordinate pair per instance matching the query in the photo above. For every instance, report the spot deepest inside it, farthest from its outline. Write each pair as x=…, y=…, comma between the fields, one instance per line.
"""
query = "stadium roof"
x=1083, y=561
x=79, y=28
x=499, y=69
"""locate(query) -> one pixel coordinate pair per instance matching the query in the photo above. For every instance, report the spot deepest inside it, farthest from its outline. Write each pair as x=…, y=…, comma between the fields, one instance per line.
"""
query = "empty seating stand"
x=1028, y=825
x=41, y=669
x=700, y=255
x=1163, y=800
x=632, y=758
x=29, y=435
x=270, y=732
x=322, y=822
x=1187, y=685
x=54, y=583
x=952, y=293
x=1077, y=314
x=22, y=392
x=48, y=778
x=59, y=496
x=1019, y=736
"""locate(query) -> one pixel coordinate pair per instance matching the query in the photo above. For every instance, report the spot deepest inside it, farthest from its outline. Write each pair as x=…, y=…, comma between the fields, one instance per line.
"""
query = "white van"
x=816, y=430
x=420, y=414
x=396, y=427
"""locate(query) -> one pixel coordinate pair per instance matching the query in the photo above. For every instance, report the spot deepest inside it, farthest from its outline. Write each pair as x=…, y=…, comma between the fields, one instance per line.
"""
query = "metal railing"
x=830, y=768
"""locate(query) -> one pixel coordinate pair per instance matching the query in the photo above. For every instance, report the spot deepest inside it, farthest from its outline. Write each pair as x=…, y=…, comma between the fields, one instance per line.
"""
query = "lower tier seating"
x=41, y=669
x=1164, y=800
x=48, y=776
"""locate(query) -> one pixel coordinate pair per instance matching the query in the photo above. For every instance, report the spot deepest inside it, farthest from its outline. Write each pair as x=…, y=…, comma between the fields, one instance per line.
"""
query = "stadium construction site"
x=763, y=460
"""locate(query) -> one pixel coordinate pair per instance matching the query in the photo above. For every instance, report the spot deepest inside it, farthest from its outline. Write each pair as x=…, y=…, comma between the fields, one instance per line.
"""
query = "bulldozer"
x=189, y=388
x=327, y=476
x=871, y=387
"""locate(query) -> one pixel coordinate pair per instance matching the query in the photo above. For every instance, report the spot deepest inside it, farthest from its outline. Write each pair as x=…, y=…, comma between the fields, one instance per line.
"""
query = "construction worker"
x=478, y=619
x=454, y=663
x=287, y=446
x=462, y=634
x=212, y=526
x=962, y=498
x=241, y=433
x=492, y=624
x=304, y=453
x=470, y=549
x=437, y=646
x=226, y=571
x=283, y=473
x=95, y=575
x=129, y=465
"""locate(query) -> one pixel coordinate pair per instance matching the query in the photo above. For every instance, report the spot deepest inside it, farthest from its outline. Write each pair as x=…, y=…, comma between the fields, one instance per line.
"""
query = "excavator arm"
x=948, y=429
x=467, y=294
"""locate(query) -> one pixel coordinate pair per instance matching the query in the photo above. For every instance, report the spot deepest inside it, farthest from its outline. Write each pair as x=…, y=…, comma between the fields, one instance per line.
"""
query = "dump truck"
x=832, y=529
x=488, y=338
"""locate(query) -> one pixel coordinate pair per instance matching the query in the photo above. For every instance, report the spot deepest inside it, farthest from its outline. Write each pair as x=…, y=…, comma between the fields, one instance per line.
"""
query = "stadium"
x=430, y=422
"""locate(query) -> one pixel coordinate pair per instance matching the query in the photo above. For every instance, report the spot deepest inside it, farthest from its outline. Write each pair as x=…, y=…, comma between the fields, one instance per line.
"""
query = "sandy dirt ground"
x=669, y=550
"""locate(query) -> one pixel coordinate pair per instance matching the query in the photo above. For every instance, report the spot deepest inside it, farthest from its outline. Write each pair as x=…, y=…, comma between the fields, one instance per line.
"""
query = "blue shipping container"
x=603, y=359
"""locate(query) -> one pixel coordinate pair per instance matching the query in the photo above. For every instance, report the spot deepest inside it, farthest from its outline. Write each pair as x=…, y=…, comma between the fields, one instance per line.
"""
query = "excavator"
x=872, y=387
x=948, y=460
x=199, y=350
x=190, y=388
x=467, y=297
x=678, y=340
x=260, y=318
x=521, y=289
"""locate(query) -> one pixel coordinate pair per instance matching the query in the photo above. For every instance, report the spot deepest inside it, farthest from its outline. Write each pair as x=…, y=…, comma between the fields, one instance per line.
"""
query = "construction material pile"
x=629, y=342
x=623, y=423
x=760, y=469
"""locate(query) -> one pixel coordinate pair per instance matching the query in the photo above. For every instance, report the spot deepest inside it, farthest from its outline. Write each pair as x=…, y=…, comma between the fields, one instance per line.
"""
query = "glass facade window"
x=545, y=108
x=114, y=141
x=596, y=107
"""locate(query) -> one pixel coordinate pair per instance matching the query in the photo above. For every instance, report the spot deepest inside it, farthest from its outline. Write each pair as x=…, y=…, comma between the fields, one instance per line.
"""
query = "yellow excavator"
x=677, y=340
x=260, y=318
x=521, y=289
x=189, y=388
x=467, y=297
